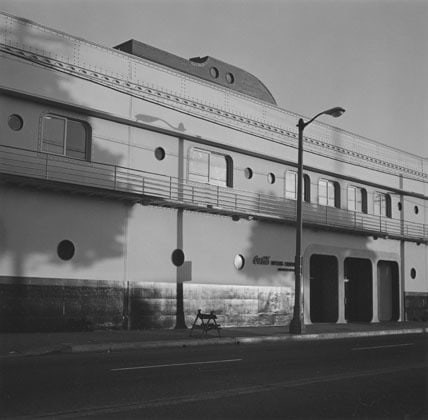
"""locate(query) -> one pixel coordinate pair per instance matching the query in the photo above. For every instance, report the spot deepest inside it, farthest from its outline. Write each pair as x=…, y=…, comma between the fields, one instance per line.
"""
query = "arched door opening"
x=389, y=291
x=323, y=288
x=358, y=290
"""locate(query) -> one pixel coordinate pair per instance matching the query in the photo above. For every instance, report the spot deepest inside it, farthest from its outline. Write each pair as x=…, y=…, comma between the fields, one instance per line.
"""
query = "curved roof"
x=207, y=68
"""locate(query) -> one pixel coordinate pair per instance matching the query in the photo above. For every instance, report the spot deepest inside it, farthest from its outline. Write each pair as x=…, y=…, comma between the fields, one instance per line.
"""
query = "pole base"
x=180, y=323
x=297, y=326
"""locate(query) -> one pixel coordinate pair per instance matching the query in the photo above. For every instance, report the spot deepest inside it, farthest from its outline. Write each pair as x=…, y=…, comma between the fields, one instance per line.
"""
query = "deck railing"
x=170, y=191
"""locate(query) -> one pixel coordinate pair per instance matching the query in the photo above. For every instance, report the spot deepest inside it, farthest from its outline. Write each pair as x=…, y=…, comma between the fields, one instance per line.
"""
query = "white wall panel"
x=33, y=223
x=152, y=237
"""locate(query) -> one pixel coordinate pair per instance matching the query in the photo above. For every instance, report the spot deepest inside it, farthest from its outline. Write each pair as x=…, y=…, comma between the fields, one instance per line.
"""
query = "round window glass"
x=230, y=78
x=271, y=178
x=413, y=273
x=214, y=72
x=239, y=262
x=248, y=173
x=160, y=153
x=66, y=250
x=416, y=209
x=15, y=122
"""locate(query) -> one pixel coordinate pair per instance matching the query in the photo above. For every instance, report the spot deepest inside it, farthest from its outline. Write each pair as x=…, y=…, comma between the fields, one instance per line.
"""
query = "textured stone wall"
x=154, y=304
x=27, y=307
x=67, y=305
x=416, y=306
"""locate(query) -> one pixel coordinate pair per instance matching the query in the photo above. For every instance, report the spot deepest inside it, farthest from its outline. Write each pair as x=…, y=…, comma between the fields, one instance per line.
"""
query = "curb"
x=110, y=347
x=139, y=345
x=196, y=342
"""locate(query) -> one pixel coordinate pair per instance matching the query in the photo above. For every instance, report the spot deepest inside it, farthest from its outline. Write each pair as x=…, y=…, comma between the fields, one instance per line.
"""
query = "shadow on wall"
x=272, y=247
x=48, y=239
x=148, y=119
x=269, y=243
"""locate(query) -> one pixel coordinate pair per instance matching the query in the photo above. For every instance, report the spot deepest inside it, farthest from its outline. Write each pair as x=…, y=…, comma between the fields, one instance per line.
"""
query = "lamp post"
x=297, y=324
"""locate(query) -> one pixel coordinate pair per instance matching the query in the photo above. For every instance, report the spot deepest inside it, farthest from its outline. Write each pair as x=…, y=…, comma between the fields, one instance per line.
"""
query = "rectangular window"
x=63, y=136
x=218, y=170
x=322, y=192
x=210, y=167
x=357, y=199
x=199, y=166
x=381, y=204
x=53, y=135
x=328, y=193
x=352, y=199
x=76, y=139
x=291, y=185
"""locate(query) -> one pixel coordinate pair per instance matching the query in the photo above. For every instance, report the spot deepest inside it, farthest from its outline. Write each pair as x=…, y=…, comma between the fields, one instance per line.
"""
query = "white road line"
x=383, y=347
x=220, y=394
x=177, y=364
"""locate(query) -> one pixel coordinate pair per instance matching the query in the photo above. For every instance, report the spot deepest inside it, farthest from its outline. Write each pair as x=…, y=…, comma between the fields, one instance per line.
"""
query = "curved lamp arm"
x=334, y=112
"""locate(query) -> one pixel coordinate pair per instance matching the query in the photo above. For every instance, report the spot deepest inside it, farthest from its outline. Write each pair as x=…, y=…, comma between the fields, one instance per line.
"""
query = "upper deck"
x=184, y=92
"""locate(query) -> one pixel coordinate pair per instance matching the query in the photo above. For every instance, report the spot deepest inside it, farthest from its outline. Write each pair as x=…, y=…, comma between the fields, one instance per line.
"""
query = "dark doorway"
x=358, y=290
x=323, y=288
x=389, y=291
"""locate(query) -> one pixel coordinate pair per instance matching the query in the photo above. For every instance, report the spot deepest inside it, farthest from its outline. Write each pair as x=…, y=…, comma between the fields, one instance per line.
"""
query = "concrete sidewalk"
x=35, y=344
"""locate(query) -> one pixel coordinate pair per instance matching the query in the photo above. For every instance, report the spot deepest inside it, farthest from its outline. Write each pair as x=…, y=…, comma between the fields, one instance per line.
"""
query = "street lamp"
x=297, y=324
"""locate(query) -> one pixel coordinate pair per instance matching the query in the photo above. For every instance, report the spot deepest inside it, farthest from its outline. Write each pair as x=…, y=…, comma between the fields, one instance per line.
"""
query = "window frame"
x=385, y=199
x=228, y=183
x=362, y=207
x=306, y=186
x=88, y=136
x=331, y=186
x=290, y=194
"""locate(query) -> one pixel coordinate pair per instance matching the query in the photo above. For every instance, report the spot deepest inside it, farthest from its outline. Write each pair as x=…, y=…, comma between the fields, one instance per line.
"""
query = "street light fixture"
x=297, y=324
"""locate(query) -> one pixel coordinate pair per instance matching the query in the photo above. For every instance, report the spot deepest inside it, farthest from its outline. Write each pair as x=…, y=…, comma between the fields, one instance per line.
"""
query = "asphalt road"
x=380, y=377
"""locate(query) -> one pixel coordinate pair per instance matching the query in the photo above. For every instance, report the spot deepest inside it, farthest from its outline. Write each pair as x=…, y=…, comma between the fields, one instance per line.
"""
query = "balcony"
x=42, y=170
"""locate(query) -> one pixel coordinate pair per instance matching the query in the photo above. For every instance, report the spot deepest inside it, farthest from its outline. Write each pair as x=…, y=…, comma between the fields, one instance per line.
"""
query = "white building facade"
x=137, y=187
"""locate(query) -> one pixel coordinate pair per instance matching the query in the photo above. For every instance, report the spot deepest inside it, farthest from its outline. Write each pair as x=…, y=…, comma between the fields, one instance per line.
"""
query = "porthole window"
x=400, y=206
x=413, y=273
x=239, y=262
x=177, y=257
x=214, y=72
x=248, y=173
x=271, y=178
x=66, y=250
x=160, y=153
x=15, y=122
x=230, y=78
x=416, y=209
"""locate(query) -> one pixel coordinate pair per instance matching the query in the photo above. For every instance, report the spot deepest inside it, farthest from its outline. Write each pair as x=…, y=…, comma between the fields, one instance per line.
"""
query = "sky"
x=368, y=56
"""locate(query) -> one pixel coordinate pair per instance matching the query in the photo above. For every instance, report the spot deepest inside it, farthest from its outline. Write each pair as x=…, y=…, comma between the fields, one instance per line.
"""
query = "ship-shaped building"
x=137, y=187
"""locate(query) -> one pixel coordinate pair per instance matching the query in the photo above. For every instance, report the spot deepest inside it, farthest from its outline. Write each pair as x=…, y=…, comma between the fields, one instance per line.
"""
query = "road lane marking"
x=387, y=346
x=209, y=362
x=220, y=394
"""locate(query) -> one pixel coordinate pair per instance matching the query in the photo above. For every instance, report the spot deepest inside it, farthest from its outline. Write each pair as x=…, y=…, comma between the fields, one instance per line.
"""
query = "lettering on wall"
x=267, y=260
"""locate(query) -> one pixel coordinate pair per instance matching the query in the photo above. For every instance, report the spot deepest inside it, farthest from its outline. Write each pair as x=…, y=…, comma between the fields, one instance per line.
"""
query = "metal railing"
x=174, y=192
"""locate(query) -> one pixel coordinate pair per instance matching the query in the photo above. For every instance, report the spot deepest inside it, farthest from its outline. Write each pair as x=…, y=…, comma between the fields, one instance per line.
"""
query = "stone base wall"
x=26, y=307
x=67, y=305
x=242, y=306
x=416, y=306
